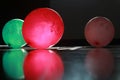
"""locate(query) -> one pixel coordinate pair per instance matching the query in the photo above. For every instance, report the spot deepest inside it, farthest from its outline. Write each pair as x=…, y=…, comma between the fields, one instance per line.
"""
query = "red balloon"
x=43, y=65
x=99, y=31
x=99, y=63
x=42, y=28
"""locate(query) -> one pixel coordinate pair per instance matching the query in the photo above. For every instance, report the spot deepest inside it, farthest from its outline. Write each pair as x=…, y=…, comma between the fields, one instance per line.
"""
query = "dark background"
x=75, y=14
x=10, y=9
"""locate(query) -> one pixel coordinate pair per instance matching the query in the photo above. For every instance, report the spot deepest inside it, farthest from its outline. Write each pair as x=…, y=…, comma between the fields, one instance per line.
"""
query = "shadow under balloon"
x=43, y=65
x=99, y=63
x=12, y=62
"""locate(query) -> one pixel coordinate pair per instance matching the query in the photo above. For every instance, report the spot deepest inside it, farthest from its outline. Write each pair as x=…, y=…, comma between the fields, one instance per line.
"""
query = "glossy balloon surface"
x=99, y=31
x=12, y=33
x=43, y=28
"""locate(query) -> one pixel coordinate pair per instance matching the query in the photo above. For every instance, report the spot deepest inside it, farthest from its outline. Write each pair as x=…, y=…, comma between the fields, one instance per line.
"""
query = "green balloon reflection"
x=13, y=60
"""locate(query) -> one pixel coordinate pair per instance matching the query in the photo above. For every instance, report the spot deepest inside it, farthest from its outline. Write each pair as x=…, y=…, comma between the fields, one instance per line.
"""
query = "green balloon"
x=13, y=63
x=12, y=33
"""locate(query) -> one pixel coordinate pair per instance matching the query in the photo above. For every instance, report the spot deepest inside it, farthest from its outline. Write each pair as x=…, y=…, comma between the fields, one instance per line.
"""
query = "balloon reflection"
x=43, y=65
x=13, y=60
x=99, y=63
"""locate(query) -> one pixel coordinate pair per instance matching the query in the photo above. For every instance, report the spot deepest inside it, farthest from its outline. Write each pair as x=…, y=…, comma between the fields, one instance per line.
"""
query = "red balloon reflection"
x=43, y=65
x=99, y=63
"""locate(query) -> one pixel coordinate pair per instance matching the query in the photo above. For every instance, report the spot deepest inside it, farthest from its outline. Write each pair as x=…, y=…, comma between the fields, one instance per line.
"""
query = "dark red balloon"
x=99, y=31
x=99, y=63
x=43, y=65
x=43, y=28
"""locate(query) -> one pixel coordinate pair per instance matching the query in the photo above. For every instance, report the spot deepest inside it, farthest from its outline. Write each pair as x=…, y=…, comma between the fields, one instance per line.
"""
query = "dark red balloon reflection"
x=43, y=65
x=99, y=63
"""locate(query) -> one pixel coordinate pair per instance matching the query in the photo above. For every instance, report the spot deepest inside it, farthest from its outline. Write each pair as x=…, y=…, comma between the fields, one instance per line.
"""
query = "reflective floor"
x=60, y=63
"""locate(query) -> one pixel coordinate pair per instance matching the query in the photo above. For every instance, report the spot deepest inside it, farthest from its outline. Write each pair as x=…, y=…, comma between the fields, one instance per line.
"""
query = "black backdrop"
x=10, y=9
x=75, y=14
